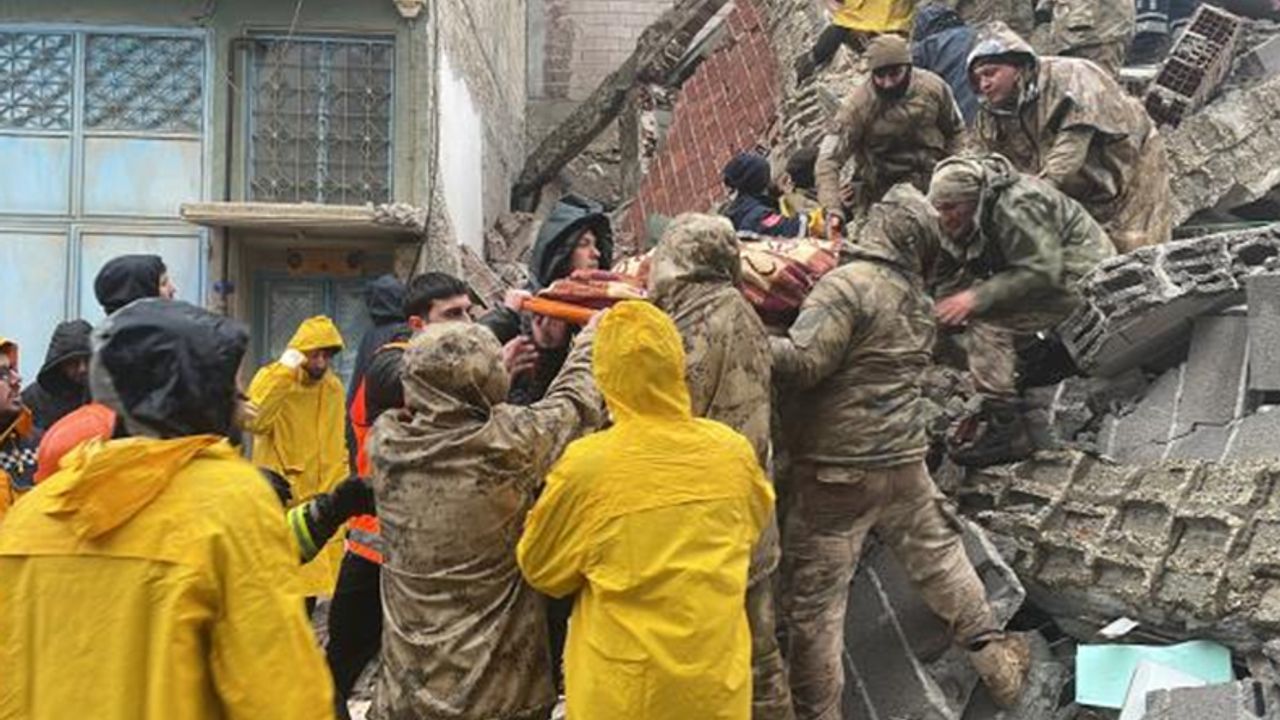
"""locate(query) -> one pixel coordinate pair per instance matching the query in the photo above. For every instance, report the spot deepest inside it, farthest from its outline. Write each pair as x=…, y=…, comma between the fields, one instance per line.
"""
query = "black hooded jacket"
x=53, y=395
x=127, y=278
x=550, y=261
x=384, y=297
x=941, y=43
x=172, y=367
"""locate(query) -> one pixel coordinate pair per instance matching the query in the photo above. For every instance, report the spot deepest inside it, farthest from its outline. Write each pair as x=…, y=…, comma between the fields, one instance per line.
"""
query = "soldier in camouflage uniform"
x=856, y=426
x=1069, y=123
x=1097, y=30
x=693, y=278
x=454, y=473
x=1024, y=247
x=898, y=126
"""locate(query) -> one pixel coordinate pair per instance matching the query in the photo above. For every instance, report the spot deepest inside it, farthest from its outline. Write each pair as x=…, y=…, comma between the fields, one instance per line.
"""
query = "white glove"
x=293, y=359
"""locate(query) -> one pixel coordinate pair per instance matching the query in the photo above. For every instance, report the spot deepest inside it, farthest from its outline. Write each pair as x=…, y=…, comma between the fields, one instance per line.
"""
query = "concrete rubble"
x=1245, y=700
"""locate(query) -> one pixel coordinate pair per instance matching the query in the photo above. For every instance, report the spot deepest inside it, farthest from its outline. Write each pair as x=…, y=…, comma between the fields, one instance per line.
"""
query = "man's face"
x=75, y=370
x=956, y=217
x=586, y=256
x=997, y=82
x=318, y=362
x=168, y=290
x=891, y=81
x=10, y=389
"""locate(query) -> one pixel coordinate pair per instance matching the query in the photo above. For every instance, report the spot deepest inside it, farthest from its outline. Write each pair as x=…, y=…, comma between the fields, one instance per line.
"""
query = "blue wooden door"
x=282, y=303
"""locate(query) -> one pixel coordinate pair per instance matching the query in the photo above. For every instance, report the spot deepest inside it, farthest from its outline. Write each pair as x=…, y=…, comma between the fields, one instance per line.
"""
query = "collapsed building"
x=1154, y=494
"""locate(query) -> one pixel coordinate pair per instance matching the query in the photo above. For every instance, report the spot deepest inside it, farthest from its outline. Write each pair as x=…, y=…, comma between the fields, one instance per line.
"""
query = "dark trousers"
x=830, y=40
x=355, y=623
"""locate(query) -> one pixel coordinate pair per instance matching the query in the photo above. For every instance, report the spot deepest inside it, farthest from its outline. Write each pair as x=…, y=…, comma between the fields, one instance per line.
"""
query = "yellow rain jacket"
x=153, y=579
x=652, y=523
x=876, y=16
x=298, y=431
x=19, y=439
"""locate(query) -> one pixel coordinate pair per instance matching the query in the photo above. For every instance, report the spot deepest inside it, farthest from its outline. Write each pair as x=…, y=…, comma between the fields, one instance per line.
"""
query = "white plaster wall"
x=461, y=156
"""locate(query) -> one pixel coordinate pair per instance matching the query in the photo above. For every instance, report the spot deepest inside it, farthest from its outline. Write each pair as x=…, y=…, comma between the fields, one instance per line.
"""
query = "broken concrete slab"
x=1263, y=295
x=1146, y=430
x=902, y=657
x=1244, y=700
x=1221, y=157
x=1261, y=61
x=1138, y=305
x=1214, y=371
x=1255, y=437
x=1189, y=549
x=1208, y=442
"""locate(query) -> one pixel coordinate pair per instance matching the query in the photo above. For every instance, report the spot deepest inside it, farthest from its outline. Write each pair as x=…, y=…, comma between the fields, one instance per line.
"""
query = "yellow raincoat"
x=19, y=431
x=876, y=16
x=153, y=579
x=298, y=432
x=652, y=523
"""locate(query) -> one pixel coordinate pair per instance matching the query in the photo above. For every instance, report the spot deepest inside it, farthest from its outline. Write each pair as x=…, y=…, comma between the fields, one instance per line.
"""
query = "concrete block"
x=1196, y=65
x=1256, y=437
x=1151, y=421
x=1261, y=61
x=1214, y=372
x=887, y=679
x=905, y=627
x=1263, y=294
x=1244, y=700
x=1207, y=442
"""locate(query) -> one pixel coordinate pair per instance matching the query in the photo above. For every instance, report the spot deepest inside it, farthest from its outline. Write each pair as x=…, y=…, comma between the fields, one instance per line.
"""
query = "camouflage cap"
x=452, y=366
x=695, y=248
x=886, y=51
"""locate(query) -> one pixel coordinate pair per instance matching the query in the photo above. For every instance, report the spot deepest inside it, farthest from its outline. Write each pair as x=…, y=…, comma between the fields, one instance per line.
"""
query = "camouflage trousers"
x=833, y=510
x=770, y=692
x=993, y=355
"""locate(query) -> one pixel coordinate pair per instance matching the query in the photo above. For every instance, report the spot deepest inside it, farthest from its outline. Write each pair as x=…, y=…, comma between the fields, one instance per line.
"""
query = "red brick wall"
x=727, y=106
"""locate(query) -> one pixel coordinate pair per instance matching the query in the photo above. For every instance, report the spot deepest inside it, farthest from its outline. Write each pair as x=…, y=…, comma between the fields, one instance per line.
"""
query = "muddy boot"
x=1002, y=661
x=996, y=435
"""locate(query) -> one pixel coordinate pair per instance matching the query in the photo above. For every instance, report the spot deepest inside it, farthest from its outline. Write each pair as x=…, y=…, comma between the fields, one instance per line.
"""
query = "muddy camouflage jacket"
x=893, y=141
x=455, y=471
x=852, y=361
x=1081, y=23
x=693, y=278
x=1077, y=128
x=1031, y=244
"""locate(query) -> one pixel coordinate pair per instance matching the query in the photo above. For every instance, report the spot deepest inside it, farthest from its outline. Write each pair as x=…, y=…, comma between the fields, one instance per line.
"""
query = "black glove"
x=352, y=497
x=279, y=485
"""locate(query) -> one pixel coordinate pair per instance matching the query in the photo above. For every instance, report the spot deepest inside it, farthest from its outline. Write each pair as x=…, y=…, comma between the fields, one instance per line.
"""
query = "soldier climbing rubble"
x=854, y=423
x=1071, y=124
x=897, y=127
x=1024, y=247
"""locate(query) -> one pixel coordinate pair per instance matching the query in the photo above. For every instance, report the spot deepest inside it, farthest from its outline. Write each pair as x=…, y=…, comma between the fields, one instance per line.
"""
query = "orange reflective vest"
x=364, y=533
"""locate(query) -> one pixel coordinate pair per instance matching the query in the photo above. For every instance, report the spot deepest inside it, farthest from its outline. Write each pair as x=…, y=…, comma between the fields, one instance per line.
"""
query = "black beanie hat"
x=748, y=173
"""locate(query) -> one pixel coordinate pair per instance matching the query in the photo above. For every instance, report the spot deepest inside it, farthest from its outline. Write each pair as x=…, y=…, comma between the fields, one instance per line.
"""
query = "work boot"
x=1002, y=661
x=996, y=435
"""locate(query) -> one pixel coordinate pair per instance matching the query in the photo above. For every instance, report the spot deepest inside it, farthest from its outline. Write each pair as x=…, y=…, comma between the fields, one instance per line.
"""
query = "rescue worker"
x=752, y=209
x=126, y=278
x=576, y=236
x=355, y=615
x=623, y=509
x=151, y=577
x=296, y=417
x=19, y=438
x=853, y=24
x=897, y=127
x=693, y=277
x=940, y=43
x=797, y=184
x=454, y=473
x=1024, y=247
x=62, y=384
x=384, y=299
x=855, y=425
x=1071, y=124
x=1097, y=30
